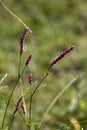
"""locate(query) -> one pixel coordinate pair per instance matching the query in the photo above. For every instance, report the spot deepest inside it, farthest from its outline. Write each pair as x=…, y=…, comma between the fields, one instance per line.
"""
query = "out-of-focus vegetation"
x=55, y=25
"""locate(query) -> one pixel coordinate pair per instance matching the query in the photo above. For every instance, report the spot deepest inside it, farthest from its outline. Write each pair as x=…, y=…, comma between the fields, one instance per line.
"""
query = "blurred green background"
x=55, y=25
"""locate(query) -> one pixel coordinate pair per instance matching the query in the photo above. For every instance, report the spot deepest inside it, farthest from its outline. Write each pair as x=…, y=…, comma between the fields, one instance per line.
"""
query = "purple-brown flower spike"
x=30, y=79
x=22, y=39
x=23, y=108
x=62, y=55
x=18, y=104
x=29, y=59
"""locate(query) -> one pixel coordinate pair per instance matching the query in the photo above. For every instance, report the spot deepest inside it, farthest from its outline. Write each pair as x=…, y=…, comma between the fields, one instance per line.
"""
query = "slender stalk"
x=41, y=81
x=20, y=81
x=14, y=14
x=19, y=68
x=22, y=95
x=13, y=117
x=30, y=112
x=56, y=99
x=38, y=85
x=3, y=78
x=31, y=97
x=11, y=121
x=23, y=100
x=8, y=102
x=33, y=93
x=19, y=111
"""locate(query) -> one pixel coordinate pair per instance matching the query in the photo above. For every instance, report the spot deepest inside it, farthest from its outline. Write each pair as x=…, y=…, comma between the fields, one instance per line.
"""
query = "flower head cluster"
x=30, y=79
x=28, y=59
x=62, y=55
x=18, y=104
x=22, y=40
x=23, y=108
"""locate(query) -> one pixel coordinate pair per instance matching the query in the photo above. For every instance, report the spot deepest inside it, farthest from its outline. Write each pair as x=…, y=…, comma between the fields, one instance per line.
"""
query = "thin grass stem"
x=8, y=102
x=23, y=100
x=33, y=93
x=21, y=89
x=56, y=99
x=3, y=78
x=19, y=68
x=7, y=9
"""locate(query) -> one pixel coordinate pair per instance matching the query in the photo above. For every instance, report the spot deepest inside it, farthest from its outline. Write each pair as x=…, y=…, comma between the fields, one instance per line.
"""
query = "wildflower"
x=30, y=79
x=62, y=55
x=23, y=108
x=22, y=39
x=29, y=59
x=17, y=104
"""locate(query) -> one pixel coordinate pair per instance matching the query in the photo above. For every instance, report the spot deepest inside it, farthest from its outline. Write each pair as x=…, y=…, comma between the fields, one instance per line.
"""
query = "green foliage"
x=55, y=25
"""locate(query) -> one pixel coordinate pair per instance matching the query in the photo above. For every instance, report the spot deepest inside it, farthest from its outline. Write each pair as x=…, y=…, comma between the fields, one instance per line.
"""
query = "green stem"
x=11, y=121
x=33, y=93
x=7, y=9
x=21, y=89
x=13, y=116
x=38, y=85
x=56, y=99
x=41, y=81
x=8, y=102
x=30, y=112
x=19, y=66
x=19, y=69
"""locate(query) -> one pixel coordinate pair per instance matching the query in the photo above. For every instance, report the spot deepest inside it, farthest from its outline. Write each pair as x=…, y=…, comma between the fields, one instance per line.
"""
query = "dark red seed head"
x=59, y=57
x=23, y=108
x=22, y=39
x=29, y=59
x=18, y=104
x=30, y=79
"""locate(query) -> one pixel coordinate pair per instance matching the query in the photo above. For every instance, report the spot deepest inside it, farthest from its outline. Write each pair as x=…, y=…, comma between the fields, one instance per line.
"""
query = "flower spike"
x=29, y=59
x=62, y=55
x=23, y=108
x=22, y=39
x=18, y=104
x=30, y=79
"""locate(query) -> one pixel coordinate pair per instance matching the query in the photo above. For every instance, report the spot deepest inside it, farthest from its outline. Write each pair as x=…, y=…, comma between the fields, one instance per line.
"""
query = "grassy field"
x=55, y=26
